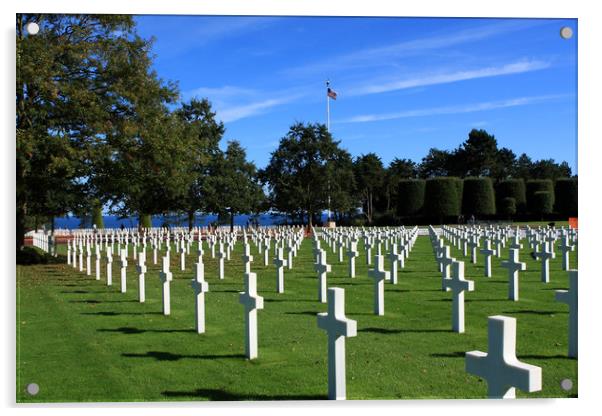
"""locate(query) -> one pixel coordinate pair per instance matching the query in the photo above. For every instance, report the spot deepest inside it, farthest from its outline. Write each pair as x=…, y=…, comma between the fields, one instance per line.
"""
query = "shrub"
x=542, y=202
x=477, y=197
x=507, y=207
x=538, y=185
x=441, y=199
x=566, y=196
x=410, y=197
x=512, y=188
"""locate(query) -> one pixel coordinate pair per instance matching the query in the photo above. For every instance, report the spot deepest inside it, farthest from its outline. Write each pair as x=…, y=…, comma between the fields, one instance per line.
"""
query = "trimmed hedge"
x=507, y=207
x=478, y=197
x=566, y=196
x=441, y=197
x=512, y=188
x=410, y=197
x=538, y=185
x=144, y=221
x=542, y=202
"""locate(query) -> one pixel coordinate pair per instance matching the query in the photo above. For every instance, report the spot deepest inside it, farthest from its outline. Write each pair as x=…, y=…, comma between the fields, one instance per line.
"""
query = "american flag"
x=331, y=93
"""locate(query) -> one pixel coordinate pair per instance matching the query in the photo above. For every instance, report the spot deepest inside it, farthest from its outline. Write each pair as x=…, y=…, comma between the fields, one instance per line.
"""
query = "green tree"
x=79, y=84
x=234, y=184
x=435, y=163
x=302, y=170
x=478, y=154
x=203, y=133
x=369, y=181
x=398, y=169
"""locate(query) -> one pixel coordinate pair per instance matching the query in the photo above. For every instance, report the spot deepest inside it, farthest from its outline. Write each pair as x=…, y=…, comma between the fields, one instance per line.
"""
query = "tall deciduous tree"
x=203, y=133
x=303, y=170
x=79, y=86
x=235, y=190
x=369, y=179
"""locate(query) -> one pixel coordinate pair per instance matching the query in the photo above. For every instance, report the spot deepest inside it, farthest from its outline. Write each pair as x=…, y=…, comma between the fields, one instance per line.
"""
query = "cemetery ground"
x=81, y=340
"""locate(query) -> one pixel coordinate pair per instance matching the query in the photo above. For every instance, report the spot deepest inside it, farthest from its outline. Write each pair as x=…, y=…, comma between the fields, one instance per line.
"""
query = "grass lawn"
x=80, y=340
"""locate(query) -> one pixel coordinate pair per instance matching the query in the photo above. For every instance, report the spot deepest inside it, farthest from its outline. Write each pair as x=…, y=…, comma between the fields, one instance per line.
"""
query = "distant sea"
x=112, y=221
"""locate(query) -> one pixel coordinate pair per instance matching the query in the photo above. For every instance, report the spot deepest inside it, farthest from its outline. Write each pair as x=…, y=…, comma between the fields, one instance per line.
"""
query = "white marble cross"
x=368, y=245
x=182, y=256
x=379, y=275
x=322, y=268
x=280, y=263
x=458, y=285
x=221, y=256
x=247, y=258
x=124, y=264
x=488, y=252
x=109, y=267
x=566, y=248
x=88, y=259
x=200, y=287
x=473, y=244
x=338, y=327
x=252, y=302
x=166, y=277
x=545, y=255
x=141, y=268
x=446, y=260
x=289, y=254
x=352, y=253
x=394, y=258
x=97, y=262
x=499, y=366
x=513, y=266
x=570, y=297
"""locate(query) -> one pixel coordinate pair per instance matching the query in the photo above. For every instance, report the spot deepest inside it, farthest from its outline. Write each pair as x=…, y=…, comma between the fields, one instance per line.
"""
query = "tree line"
x=98, y=130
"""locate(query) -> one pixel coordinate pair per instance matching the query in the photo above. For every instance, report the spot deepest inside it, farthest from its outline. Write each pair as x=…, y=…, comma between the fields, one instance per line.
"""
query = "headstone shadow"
x=224, y=395
x=168, y=356
x=131, y=330
x=401, y=331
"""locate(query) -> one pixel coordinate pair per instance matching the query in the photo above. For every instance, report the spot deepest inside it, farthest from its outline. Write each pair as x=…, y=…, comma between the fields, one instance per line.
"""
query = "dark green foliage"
x=512, y=188
x=305, y=169
x=566, y=197
x=536, y=185
x=410, y=200
x=369, y=176
x=441, y=199
x=507, y=206
x=542, y=202
x=477, y=197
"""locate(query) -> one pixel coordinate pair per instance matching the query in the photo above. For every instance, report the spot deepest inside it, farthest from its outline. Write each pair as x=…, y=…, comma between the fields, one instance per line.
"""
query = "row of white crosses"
x=500, y=367
x=502, y=374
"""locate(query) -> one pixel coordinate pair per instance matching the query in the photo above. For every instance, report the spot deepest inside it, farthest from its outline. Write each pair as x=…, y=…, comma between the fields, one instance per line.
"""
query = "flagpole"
x=328, y=129
x=327, y=107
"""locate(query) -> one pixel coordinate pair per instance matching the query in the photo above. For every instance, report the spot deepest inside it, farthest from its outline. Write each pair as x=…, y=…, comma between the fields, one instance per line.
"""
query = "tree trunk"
x=190, y=220
x=231, y=221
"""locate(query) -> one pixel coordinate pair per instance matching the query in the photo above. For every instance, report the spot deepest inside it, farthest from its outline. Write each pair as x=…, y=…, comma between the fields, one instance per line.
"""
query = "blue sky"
x=404, y=84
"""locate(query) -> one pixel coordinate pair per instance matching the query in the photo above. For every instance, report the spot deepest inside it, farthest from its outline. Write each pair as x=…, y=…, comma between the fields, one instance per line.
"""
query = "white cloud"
x=469, y=108
x=370, y=57
x=446, y=78
x=250, y=109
